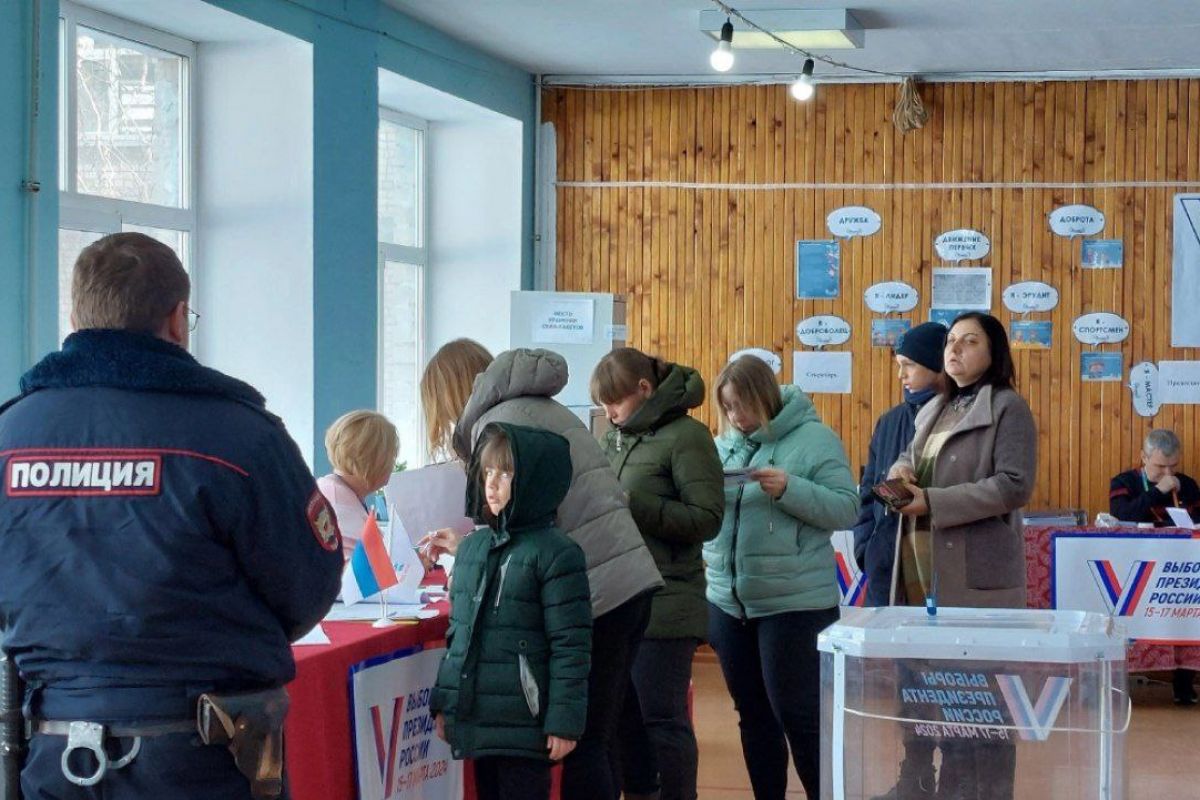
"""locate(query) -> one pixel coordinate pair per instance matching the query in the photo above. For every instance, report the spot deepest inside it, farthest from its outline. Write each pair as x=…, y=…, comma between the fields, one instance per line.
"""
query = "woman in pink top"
x=362, y=447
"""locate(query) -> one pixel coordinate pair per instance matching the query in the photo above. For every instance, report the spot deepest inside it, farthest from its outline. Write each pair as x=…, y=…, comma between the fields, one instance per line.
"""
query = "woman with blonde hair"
x=362, y=447
x=771, y=572
x=463, y=390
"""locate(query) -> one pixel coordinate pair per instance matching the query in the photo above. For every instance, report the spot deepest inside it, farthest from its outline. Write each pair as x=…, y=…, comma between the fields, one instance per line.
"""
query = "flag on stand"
x=369, y=570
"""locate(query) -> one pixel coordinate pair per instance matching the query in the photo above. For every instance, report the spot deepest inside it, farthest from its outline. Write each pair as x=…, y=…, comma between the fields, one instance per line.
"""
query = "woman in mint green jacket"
x=771, y=575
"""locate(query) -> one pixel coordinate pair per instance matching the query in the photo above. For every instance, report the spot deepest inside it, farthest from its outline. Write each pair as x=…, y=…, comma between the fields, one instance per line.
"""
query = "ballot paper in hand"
x=426, y=499
x=737, y=476
x=1181, y=518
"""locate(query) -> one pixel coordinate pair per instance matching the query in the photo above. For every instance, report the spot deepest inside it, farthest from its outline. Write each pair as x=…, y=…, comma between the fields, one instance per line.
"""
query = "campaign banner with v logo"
x=398, y=755
x=1121, y=597
x=852, y=583
x=1150, y=581
x=1035, y=722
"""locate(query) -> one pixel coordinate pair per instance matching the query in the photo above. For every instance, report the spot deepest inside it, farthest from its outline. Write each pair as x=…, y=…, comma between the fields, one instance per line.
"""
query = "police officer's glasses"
x=193, y=318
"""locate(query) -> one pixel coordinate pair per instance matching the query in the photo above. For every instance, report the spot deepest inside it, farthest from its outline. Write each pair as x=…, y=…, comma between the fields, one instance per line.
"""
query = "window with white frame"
x=402, y=261
x=124, y=137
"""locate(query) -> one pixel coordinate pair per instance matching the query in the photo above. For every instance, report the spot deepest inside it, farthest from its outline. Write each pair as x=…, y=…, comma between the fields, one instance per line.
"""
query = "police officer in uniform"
x=161, y=544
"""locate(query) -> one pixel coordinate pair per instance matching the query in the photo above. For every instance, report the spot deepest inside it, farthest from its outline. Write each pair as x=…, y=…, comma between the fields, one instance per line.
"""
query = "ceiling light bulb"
x=803, y=88
x=722, y=58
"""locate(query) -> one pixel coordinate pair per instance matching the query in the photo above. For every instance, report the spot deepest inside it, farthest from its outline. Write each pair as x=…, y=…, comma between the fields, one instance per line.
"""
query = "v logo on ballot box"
x=1034, y=721
x=1121, y=597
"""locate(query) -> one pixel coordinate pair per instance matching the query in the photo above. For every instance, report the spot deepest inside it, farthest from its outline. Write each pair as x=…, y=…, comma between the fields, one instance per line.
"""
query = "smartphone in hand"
x=894, y=494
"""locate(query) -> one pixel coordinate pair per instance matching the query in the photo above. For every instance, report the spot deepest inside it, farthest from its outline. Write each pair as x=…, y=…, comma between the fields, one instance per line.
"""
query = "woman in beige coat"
x=971, y=467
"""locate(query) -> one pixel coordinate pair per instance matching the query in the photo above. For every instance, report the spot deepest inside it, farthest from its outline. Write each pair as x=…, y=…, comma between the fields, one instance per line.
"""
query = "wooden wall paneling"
x=711, y=270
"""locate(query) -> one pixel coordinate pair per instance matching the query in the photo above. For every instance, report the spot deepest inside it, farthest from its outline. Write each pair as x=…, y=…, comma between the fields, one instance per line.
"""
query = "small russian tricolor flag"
x=369, y=570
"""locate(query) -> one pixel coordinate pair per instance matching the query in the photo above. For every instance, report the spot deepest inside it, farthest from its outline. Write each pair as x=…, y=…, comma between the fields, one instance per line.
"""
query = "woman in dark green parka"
x=668, y=465
x=512, y=689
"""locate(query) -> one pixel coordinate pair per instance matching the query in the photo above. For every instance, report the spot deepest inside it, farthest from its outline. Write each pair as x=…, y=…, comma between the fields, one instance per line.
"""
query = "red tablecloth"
x=320, y=761
x=1142, y=657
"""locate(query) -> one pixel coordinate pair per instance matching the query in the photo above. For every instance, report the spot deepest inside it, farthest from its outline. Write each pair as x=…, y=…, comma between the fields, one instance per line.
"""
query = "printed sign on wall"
x=822, y=373
x=1179, y=382
x=1100, y=328
x=890, y=297
x=1077, y=220
x=772, y=360
x=962, y=287
x=822, y=330
x=1143, y=382
x=962, y=245
x=852, y=221
x=1027, y=296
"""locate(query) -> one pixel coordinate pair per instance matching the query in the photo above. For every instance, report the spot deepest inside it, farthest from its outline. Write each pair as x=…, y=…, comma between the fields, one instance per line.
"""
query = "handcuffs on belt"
x=89, y=736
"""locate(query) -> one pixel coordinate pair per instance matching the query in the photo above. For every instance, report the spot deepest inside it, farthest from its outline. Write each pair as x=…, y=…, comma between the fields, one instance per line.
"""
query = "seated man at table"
x=1144, y=495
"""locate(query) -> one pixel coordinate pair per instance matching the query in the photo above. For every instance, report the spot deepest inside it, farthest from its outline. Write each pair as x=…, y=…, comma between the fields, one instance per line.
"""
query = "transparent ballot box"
x=987, y=703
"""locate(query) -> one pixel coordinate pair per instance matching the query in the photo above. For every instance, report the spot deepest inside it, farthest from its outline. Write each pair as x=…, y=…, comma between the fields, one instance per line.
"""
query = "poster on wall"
x=818, y=269
x=1101, y=253
x=1030, y=334
x=962, y=287
x=769, y=358
x=397, y=752
x=566, y=320
x=946, y=316
x=1076, y=220
x=1179, y=382
x=1143, y=382
x=886, y=332
x=823, y=330
x=1185, y=272
x=1101, y=327
x=962, y=245
x=819, y=372
x=1097, y=366
x=1029, y=296
x=851, y=221
x=890, y=297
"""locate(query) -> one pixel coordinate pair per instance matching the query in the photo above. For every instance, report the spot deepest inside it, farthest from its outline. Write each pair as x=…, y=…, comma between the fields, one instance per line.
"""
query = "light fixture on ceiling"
x=722, y=58
x=802, y=88
x=807, y=29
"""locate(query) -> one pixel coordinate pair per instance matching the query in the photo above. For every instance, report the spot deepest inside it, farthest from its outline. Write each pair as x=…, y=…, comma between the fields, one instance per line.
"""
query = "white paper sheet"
x=370, y=611
x=409, y=570
x=962, y=287
x=564, y=321
x=822, y=373
x=1181, y=518
x=316, y=636
x=426, y=499
x=1179, y=382
x=1185, y=272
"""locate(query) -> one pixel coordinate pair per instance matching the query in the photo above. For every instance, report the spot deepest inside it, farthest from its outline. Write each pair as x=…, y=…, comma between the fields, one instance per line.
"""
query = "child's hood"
x=541, y=477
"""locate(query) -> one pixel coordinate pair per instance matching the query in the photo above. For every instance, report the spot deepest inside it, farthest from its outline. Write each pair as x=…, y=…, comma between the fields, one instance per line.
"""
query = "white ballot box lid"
x=969, y=634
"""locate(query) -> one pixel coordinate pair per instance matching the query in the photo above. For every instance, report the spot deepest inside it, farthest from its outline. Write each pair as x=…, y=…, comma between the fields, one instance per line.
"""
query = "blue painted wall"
x=351, y=40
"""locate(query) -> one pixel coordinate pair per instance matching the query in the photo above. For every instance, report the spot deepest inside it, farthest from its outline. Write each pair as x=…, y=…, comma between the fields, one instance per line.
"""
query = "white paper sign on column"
x=821, y=372
x=1179, y=382
x=564, y=321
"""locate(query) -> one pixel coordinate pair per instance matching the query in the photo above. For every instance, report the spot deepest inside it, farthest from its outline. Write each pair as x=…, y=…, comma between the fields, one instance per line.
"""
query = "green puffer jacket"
x=667, y=463
x=520, y=639
x=773, y=556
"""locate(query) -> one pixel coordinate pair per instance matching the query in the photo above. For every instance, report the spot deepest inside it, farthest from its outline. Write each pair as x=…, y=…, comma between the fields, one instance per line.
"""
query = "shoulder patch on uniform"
x=323, y=522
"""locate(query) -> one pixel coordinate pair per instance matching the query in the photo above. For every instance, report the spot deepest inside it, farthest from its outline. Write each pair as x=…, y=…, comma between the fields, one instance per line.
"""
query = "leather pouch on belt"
x=250, y=724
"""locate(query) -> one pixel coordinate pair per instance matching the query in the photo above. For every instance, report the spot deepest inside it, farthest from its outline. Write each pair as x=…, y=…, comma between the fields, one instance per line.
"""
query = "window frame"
x=86, y=212
x=417, y=256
